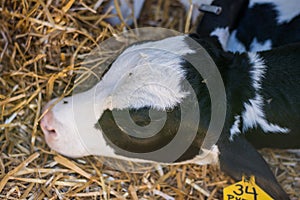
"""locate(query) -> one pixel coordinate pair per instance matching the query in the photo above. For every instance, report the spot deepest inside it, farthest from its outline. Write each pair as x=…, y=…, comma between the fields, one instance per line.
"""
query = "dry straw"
x=42, y=43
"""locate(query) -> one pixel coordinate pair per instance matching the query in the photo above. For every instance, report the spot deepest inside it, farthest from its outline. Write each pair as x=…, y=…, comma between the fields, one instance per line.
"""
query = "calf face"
x=140, y=77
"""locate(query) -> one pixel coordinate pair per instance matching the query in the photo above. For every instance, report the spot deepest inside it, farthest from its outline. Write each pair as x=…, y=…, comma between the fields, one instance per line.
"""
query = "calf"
x=262, y=108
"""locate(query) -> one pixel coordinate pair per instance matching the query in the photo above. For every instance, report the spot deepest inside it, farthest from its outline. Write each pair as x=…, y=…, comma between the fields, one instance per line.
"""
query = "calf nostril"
x=47, y=125
x=46, y=129
x=49, y=132
x=52, y=132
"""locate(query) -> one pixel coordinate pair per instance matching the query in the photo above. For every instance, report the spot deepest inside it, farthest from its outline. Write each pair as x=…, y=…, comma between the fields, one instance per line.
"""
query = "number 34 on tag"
x=245, y=190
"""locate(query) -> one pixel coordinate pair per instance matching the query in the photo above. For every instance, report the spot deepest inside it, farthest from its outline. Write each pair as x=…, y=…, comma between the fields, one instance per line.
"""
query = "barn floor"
x=41, y=45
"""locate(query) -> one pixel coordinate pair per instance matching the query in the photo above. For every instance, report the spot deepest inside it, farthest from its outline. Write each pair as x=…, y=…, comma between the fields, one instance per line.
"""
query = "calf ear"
x=239, y=157
x=132, y=129
x=149, y=131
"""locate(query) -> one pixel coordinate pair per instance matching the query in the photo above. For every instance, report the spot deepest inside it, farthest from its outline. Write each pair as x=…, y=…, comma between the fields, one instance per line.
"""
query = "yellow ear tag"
x=245, y=190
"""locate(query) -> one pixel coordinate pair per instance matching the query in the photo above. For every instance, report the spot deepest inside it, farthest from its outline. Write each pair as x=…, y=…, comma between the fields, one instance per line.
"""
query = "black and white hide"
x=262, y=107
x=253, y=25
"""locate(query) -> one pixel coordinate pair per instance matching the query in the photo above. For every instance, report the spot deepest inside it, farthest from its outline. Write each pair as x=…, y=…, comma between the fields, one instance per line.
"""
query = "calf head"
x=144, y=75
x=160, y=80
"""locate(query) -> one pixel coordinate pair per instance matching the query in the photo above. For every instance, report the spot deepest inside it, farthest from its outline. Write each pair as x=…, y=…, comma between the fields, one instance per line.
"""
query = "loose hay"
x=41, y=45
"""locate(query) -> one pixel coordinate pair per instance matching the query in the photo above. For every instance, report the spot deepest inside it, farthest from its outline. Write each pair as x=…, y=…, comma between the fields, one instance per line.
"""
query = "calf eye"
x=65, y=102
x=140, y=116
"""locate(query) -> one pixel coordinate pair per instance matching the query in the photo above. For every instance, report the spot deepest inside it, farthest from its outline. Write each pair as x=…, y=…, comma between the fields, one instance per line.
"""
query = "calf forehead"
x=157, y=53
x=148, y=74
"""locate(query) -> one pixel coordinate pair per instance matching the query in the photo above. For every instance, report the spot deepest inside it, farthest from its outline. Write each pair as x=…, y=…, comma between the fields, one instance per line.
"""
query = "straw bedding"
x=41, y=46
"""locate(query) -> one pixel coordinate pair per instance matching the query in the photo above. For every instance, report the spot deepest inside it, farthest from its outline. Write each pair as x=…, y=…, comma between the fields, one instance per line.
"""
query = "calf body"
x=253, y=25
x=262, y=101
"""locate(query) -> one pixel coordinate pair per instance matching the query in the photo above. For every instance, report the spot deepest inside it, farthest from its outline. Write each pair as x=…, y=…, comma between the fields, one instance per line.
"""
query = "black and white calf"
x=262, y=101
x=253, y=25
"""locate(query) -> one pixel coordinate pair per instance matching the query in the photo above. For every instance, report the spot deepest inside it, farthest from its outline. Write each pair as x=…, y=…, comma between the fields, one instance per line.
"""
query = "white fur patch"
x=146, y=69
x=235, y=130
x=222, y=34
x=74, y=124
x=256, y=46
x=258, y=70
x=207, y=157
x=287, y=9
x=234, y=45
x=253, y=115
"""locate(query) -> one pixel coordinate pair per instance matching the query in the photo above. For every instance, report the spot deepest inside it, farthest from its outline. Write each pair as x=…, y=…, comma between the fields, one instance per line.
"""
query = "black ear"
x=142, y=118
x=133, y=138
x=127, y=129
x=240, y=158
